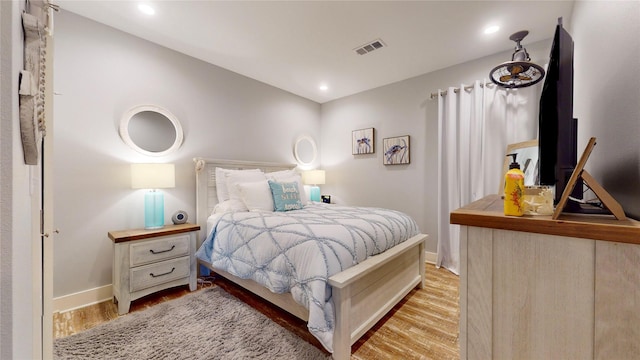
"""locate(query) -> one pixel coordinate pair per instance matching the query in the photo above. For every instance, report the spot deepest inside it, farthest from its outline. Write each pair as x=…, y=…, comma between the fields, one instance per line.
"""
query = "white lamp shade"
x=153, y=176
x=313, y=177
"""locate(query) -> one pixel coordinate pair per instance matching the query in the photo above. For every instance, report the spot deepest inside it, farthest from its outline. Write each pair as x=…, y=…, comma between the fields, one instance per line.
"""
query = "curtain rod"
x=457, y=90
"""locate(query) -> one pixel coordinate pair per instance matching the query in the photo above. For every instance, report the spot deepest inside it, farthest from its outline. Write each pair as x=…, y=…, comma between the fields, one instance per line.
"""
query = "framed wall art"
x=362, y=142
x=396, y=150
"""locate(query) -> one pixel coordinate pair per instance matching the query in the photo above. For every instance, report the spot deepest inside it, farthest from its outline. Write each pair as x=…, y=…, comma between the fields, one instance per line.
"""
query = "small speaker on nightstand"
x=179, y=217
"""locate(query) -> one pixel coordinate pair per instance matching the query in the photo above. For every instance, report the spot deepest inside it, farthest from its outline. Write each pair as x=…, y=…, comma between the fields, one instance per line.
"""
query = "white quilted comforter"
x=297, y=251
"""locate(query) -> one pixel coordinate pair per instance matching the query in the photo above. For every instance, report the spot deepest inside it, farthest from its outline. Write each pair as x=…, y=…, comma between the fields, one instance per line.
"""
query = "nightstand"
x=146, y=261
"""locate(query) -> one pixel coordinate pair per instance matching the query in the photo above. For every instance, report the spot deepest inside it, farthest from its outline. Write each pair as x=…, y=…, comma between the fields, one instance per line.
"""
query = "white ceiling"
x=298, y=45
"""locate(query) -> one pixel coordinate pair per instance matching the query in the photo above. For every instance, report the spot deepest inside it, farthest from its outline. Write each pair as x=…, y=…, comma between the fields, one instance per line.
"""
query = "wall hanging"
x=151, y=130
x=362, y=142
x=305, y=151
x=396, y=150
x=32, y=82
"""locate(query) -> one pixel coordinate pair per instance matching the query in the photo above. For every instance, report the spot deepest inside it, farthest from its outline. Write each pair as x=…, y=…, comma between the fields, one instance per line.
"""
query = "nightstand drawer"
x=159, y=249
x=147, y=276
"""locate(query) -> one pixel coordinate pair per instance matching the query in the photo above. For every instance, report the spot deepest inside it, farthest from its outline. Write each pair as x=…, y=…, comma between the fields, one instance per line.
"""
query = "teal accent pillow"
x=286, y=196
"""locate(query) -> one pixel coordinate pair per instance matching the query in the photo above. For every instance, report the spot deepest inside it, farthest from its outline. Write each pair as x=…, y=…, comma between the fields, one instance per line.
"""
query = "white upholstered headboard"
x=206, y=195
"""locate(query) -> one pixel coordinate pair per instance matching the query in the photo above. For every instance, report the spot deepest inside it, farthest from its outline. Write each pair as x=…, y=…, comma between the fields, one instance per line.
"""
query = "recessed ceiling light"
x=491, y=29
x=323, y=87
x=146, y=9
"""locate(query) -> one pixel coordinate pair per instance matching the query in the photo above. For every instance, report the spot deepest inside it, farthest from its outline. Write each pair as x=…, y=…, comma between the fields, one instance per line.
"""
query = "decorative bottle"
x=514, y=189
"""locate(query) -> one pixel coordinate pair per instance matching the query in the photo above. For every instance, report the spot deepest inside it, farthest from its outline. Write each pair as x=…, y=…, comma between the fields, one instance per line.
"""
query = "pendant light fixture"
x=520, y=71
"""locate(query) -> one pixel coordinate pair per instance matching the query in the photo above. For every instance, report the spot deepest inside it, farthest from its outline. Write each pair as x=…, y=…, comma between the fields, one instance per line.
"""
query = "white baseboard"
x=83, y=298
x=431, y=257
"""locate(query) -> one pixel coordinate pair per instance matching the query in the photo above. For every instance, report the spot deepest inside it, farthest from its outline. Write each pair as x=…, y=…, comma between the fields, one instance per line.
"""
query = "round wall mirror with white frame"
x=151, y=130
x=305, y=150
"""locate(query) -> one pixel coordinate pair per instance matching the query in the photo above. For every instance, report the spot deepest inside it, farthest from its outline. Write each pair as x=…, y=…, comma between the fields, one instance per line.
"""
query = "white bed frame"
x=362, y=294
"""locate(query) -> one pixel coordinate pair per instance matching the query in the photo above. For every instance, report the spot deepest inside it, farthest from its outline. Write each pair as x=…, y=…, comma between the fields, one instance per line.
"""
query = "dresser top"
x=488, y=213
x=138, y=234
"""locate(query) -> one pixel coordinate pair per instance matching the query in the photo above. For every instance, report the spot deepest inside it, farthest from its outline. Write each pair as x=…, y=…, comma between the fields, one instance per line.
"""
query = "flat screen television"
x=557, y=128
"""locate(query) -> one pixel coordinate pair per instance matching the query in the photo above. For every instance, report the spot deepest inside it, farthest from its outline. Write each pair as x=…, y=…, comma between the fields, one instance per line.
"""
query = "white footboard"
x=363, y=294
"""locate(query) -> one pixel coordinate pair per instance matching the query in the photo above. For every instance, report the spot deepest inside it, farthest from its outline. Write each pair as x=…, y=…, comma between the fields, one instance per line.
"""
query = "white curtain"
x=474, y=128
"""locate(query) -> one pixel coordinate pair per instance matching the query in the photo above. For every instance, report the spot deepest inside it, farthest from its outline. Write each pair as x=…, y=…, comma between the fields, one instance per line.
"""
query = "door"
x=40, y=187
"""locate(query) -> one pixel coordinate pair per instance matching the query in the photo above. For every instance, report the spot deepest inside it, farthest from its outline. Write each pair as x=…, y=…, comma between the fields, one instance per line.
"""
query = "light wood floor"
x=422, y=326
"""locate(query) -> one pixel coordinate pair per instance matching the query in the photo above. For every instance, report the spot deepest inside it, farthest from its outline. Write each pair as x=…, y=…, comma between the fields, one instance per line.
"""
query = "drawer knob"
x=163, y=274
x=162, y=251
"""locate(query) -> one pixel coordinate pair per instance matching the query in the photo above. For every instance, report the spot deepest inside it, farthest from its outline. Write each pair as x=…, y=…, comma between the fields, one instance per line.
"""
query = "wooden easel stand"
x=607, y=200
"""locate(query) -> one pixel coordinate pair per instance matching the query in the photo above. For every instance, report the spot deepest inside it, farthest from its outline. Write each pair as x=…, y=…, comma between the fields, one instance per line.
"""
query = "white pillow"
x=222, y=207
x=256, y=195
x=221, y=182
x=236, y=177
x=282, y=173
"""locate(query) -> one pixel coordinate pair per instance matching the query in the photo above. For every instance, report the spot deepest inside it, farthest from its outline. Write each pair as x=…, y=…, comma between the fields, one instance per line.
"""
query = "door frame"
x=49, y=232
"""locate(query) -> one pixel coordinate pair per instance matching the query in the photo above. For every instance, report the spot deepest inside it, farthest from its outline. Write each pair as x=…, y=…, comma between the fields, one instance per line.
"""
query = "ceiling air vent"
x=369, y=47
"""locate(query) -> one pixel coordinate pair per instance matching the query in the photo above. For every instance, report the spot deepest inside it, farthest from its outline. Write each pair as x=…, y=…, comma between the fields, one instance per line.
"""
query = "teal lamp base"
x=314, y=193
x=153, y=210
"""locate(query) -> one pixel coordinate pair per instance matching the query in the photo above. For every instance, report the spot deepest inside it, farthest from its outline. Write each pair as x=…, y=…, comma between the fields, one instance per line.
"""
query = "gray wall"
x=99, y=74
x=607, y=94
x=403, y=108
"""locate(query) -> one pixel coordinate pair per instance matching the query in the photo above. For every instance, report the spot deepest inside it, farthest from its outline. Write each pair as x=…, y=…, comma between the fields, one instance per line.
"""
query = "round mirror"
x=305, y=150
x=151, y=130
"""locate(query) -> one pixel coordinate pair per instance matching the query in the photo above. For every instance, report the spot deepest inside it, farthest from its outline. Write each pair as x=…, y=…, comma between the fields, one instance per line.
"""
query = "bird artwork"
x=396, y=150
x=363, y=142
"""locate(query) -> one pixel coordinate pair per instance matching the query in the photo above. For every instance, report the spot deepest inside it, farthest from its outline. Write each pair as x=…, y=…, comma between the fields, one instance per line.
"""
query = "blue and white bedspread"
x=297, y=251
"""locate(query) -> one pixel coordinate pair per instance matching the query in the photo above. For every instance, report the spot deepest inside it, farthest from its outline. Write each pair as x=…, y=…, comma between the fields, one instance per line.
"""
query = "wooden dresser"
x=536, y=288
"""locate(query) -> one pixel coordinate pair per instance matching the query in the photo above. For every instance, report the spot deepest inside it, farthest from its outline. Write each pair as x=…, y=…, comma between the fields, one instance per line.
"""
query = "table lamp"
x=153, y=177
x=314, y=178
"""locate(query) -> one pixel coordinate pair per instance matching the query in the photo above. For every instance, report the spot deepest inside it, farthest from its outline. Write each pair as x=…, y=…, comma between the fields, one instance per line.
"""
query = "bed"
x=361, y=295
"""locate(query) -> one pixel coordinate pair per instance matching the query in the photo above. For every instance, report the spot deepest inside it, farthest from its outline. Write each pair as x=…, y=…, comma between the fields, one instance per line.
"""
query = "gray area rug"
x=207, y=324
